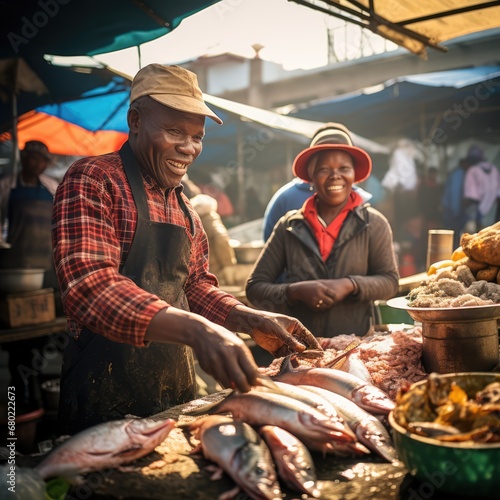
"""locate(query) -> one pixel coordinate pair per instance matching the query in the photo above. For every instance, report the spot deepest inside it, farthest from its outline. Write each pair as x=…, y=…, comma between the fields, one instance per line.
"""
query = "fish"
x=367, y=396
x=368, y=429
x=106, y=445
x=259, y=408
x=316, y=402
x=293, y=461
x=239, y=450
x=355, y=366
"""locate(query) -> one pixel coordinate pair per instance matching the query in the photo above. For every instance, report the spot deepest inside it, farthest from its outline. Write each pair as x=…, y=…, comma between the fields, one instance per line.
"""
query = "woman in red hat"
x=336, y=252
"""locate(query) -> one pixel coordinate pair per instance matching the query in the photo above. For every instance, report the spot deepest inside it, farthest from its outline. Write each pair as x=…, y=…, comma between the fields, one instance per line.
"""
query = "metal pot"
x=21, y=280
x=247, y=253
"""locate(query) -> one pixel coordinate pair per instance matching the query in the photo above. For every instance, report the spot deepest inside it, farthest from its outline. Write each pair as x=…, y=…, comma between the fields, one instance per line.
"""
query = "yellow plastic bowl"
x=463, y=469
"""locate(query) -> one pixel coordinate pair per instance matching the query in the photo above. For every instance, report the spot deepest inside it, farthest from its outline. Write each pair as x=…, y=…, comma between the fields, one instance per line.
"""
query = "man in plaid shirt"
x=131, y=258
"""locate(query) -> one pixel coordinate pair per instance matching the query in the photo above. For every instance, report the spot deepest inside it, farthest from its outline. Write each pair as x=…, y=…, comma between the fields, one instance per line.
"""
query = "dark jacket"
x=364, y=251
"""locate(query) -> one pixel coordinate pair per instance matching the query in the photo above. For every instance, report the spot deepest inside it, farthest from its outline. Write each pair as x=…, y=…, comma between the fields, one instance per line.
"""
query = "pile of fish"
x=301, y=410
x=388, y=360
x=264, y=439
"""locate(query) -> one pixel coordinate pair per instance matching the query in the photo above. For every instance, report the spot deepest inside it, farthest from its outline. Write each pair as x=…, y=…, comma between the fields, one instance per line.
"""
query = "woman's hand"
x=320, y=295
x=276, y=333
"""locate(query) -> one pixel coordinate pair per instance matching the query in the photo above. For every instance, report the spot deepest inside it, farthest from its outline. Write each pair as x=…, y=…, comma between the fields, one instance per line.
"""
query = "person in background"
x=335, y=253
x=481, y=192
x=26, y=208
x=131, y=256
x=453, y=203
x=190, y=189
x=429, y=196
x=208, y=185
x=401, y=182
x=292, y=195
x=220, y=252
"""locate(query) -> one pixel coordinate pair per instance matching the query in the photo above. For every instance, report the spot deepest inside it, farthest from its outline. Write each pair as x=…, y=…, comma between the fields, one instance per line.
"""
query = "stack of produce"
x=471, y=277
x=483, y=253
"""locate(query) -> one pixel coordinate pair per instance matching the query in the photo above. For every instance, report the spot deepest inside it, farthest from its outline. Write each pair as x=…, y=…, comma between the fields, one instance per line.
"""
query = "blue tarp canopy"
x=250, y=136
x=78, y=27
x=443, y=107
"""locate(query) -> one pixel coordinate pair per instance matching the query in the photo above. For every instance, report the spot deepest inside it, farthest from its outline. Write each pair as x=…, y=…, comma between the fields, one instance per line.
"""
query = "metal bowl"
x=247, y=253
x=21, y=280
x=465, y=469
x=446, y=314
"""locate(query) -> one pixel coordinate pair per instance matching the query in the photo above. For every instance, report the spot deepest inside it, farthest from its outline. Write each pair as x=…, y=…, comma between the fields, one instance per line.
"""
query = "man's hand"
x=277, y=333
x=220, y=353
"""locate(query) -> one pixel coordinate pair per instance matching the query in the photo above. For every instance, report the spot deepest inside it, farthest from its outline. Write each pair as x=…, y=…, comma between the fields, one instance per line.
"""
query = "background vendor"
x=25, y=210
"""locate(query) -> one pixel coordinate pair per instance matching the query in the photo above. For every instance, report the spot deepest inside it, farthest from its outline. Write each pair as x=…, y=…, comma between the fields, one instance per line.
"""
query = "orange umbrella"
x=64, y=138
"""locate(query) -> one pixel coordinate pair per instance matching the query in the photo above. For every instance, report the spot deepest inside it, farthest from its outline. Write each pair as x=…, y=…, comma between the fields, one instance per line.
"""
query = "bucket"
x=460, y=347
x=25, y=432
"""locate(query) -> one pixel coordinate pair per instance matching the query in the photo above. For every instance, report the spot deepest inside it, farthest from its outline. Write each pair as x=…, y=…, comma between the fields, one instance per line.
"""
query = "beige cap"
x=172, y=86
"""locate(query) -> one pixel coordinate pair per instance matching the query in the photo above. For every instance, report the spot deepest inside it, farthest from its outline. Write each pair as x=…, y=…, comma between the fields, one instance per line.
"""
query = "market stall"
x=172, y=471
x=430, y=424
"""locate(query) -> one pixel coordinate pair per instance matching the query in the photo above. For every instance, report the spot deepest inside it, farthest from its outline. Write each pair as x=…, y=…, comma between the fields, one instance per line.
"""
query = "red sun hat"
x=362, y=161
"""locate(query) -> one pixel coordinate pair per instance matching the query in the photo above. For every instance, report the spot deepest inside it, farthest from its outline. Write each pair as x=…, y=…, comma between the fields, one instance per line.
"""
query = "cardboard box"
x=27, y=308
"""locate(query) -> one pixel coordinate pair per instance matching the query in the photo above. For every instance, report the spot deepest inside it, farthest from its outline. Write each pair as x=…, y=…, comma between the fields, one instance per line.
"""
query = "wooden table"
x=32, y=331
x=172, y=472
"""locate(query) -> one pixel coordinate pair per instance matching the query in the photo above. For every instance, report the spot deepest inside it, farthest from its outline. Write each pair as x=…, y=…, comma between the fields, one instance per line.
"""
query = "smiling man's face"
x=165, y=141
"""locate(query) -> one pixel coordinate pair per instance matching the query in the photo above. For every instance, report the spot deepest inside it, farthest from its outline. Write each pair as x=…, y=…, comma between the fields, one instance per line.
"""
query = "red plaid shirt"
x=94, y=220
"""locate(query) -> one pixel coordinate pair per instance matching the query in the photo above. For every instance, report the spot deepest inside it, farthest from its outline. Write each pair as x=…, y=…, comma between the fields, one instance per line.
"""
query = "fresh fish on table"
x=105, y=445
x=348, y=448
x=241, y=453
x=367, y=396
x=292, y=459
x=320, y=404
x=368, y=429
x=257, y=408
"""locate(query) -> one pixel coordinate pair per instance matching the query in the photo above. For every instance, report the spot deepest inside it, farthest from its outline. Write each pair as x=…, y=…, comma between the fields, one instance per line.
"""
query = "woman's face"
x=333, y=176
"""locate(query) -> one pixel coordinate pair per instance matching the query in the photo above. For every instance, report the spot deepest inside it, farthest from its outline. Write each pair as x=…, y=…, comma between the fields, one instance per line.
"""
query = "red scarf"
x=327, y=235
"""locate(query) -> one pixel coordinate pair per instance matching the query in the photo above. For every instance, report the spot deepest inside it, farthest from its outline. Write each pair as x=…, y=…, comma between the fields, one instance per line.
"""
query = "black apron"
x=103, y=380
x=29, y=213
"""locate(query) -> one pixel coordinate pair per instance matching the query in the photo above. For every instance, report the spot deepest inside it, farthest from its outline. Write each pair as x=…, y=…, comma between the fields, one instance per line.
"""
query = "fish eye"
x=259, y=470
